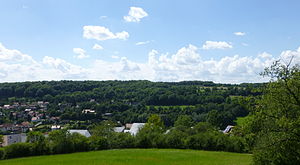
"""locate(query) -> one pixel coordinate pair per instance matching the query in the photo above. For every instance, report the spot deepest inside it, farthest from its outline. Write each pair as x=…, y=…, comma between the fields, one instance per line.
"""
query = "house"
x=128, y=126
x=119, y=129
x=135, y=127
x=7, y=127
x=35, y=119
x=107, y=114
x=7, y=107
x=228, y=129
x=14, y=138
x=23, y=127
x=55, y=127
x=86, y=111
x=85, y=133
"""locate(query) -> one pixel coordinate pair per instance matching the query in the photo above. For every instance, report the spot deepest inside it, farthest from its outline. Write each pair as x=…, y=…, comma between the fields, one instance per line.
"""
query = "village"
x=37, y=118
x=35, y=113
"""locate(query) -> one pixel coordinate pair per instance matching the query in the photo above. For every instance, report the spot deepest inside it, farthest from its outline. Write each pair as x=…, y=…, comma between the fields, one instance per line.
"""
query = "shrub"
x=122, y=140
x=2, y=153
x=18, y=150
x=98, y=143
x=80, y=143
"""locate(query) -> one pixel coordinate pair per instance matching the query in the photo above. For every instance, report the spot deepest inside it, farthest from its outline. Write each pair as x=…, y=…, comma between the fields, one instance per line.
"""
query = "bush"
x=60, y=142
x=80, y=143
x=18, y=150
x=2, y=153
x=98, y=143
x=175, y=139
x=122, y=140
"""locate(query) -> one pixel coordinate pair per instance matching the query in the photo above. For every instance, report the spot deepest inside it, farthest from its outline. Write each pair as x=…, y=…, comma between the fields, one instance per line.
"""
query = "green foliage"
x=39, y=143
x=18, y=150
x=151, y=135
x=277, y=118
x=104, y=129
x=98, y=143
x=79, y=142
x=1, y=139
x=184, y=122
x=102, y=135
x=122, y=140
x=175, y=139
x=2, y=153
x=60, y=142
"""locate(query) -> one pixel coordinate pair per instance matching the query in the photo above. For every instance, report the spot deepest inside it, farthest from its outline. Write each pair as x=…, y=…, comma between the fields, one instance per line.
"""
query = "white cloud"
x=216, y=45
x=185, y=64
x=62, y=69
x=288, y=55
x=102, y=33
x=80, y=53
x=135, y=14
x=265, y=55
x=239, y=33
x=14, y=56
x=97, y=47
x=142, y=43
x=17, y=66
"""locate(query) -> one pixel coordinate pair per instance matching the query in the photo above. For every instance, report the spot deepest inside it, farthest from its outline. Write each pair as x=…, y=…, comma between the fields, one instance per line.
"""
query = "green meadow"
x=137, y=157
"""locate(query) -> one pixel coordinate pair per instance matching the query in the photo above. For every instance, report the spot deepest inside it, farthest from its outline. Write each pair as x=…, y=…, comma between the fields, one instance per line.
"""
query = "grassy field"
x=136, y=157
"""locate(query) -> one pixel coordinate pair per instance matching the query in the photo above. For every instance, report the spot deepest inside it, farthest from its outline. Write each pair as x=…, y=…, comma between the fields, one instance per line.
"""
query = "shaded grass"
x=138, y=157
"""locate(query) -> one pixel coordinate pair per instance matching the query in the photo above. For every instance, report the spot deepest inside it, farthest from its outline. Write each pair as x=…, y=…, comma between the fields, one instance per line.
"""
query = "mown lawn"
x=136, y=157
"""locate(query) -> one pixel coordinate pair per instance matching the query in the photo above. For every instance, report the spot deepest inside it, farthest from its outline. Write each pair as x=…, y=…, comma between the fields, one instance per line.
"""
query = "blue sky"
x=170, y=40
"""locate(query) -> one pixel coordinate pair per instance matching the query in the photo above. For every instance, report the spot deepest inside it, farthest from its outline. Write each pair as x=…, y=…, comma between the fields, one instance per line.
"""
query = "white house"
x=85, y=133
x=228, y=129
x=135, y=127
x=55, y=127
x=119, y=129
x=87, y=111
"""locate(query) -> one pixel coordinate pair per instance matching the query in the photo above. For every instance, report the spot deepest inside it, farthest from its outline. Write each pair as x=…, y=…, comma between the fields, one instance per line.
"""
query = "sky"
x=228, y=41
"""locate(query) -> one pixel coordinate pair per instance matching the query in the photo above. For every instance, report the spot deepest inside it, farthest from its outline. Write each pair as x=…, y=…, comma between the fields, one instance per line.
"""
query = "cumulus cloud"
x=239, y=33
x=102, y=33
x=14, y=56
x=216, y=45
x=185, y=64
x=135, y=14
x=64, y=69
x=80, y=53
x=97, y=47
x=288, y=55
x=17, y=66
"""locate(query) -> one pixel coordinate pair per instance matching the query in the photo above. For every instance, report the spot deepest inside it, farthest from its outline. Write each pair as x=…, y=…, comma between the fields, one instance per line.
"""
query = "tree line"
x=186, y=134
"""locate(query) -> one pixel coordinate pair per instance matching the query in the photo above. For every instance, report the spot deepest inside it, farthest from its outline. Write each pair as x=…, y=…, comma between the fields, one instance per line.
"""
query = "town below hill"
x=52, y=117
x=48, y=105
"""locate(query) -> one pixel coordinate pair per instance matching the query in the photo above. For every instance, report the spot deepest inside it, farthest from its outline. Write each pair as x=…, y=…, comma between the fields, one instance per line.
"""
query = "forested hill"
x=133, y=101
